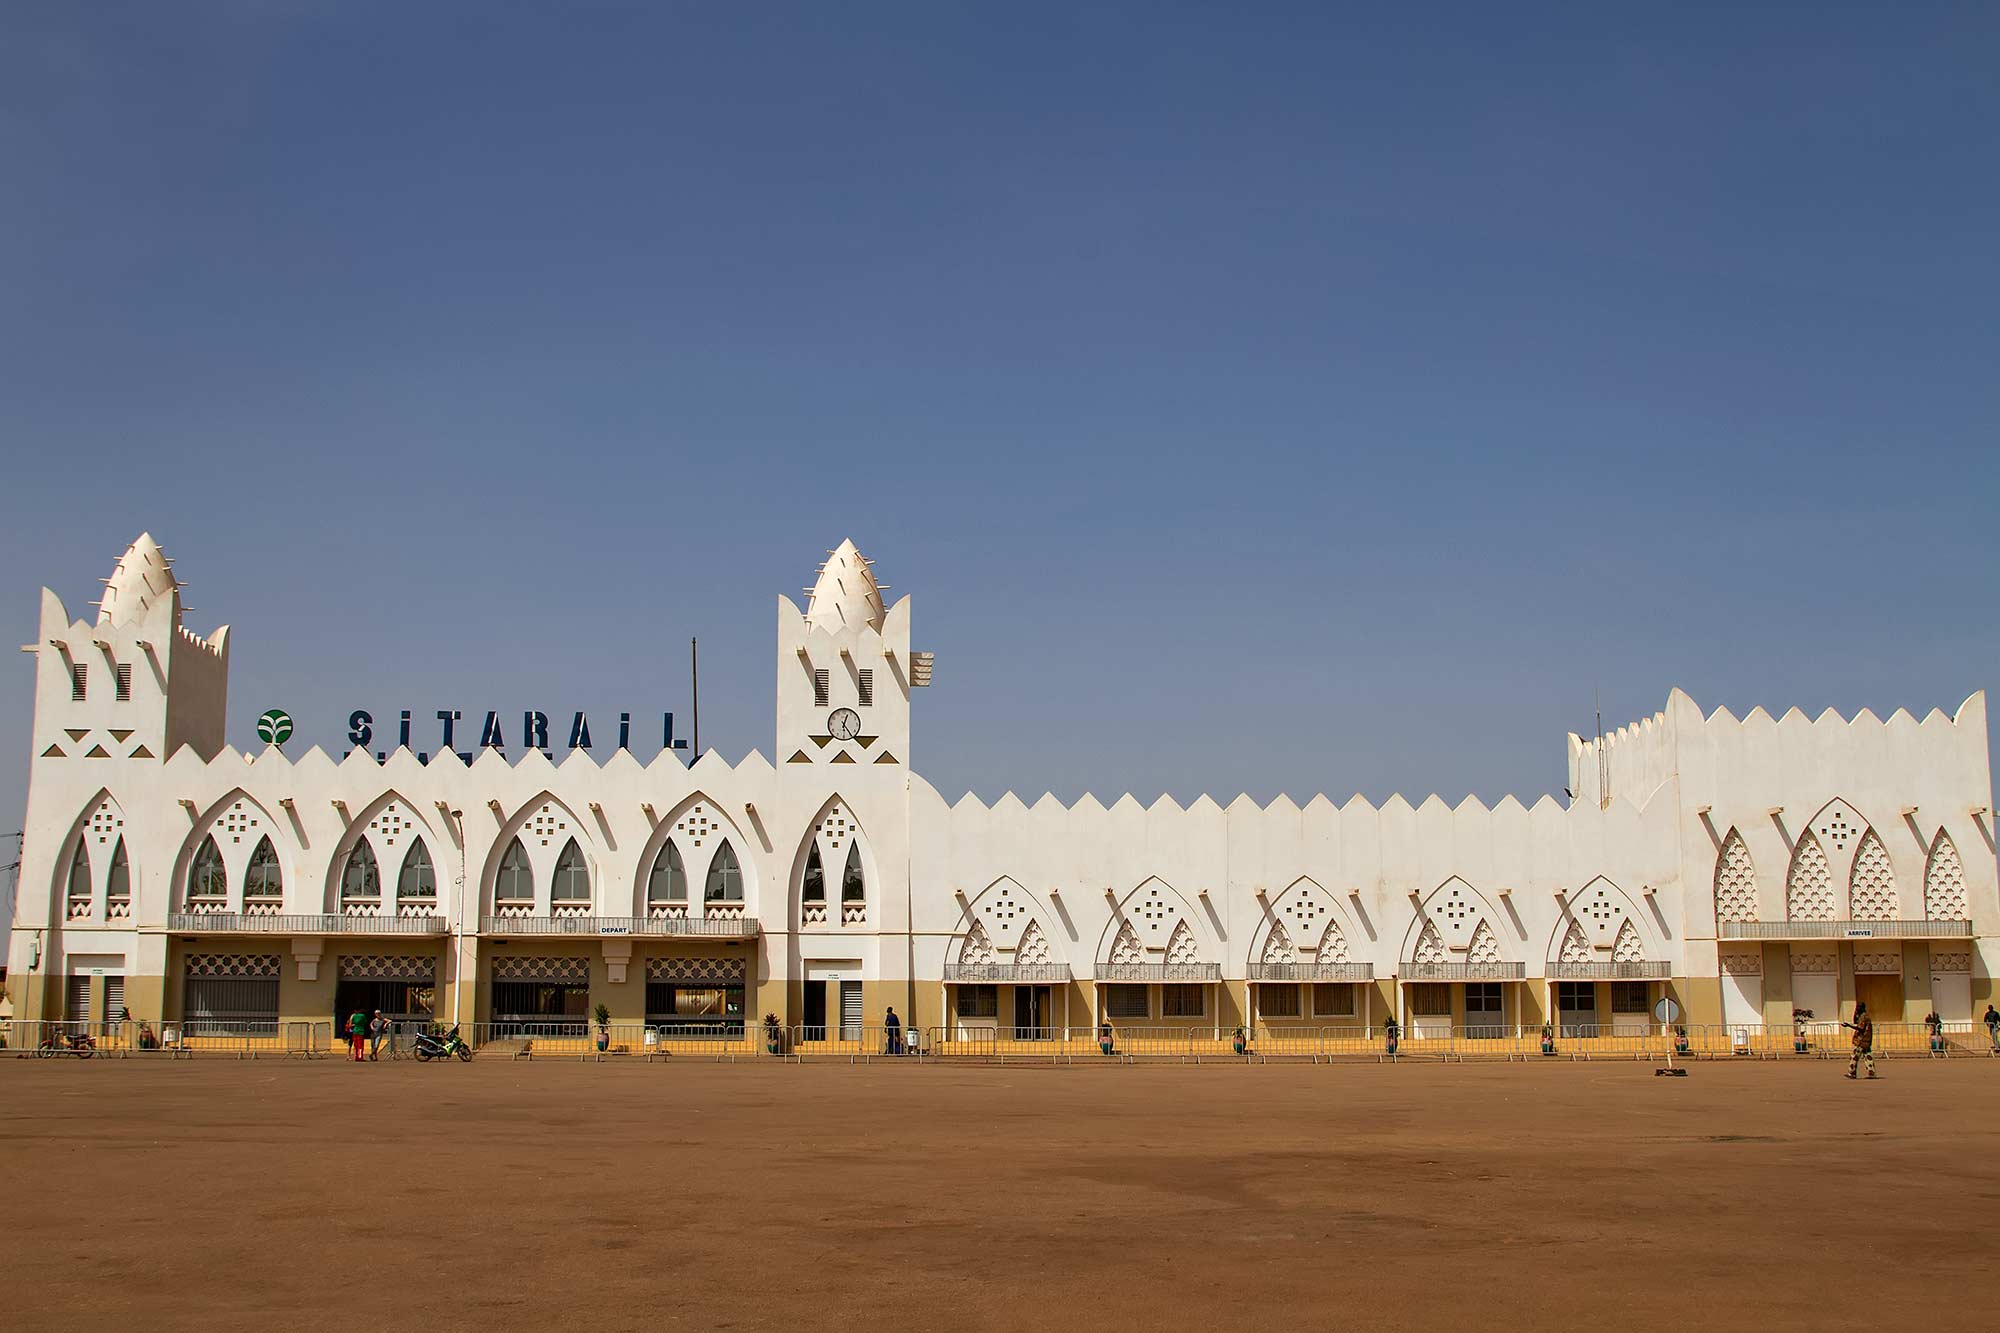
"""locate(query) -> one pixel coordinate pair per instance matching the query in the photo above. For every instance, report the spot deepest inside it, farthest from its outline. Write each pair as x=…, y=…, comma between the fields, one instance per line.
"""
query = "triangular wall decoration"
x=121, y=736
x=98, y=752
x=885, y=758
x=843, y=758
x=141, y=753
x=75, y=734
x=799, y=757
x=54, y=752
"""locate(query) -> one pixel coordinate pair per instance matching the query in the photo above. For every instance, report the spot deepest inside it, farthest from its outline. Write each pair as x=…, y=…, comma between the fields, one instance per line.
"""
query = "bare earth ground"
x=495, y=1195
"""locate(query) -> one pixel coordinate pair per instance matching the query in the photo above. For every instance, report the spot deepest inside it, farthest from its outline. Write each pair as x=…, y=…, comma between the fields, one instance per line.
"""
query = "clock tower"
x=845, y=670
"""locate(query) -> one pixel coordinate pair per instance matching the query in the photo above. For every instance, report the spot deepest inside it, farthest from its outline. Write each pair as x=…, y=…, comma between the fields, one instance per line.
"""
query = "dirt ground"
x=495, y=1195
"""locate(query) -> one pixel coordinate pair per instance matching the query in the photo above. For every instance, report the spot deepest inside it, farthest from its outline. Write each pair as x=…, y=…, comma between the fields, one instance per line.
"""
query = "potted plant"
x=603, y=1016
x=1548, y=1040
x=774, y=1035
x=1239, y=1042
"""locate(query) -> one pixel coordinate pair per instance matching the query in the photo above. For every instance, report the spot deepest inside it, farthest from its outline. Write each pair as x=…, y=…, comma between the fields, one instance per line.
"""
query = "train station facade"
x=1744, y=868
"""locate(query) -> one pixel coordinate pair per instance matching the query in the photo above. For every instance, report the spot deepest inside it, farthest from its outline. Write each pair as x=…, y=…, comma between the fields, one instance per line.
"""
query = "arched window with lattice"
x=1944, y=882
x=1809, y=883
x=1735, y=881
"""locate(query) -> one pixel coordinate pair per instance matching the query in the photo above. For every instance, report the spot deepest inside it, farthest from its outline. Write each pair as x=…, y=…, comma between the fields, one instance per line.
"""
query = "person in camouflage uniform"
x=1864, y=1041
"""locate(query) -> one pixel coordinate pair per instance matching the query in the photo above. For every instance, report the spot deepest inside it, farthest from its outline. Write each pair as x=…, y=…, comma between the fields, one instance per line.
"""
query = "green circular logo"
x=275, y=727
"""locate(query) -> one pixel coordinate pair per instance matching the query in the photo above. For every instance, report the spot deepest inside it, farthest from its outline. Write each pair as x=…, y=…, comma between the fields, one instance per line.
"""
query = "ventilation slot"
x=124, y=670
x=822, y=687
x=867, y=686
x=79, y=676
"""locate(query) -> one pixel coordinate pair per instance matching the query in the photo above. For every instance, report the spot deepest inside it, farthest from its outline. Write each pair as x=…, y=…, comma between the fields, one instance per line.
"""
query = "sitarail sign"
x=534, y=732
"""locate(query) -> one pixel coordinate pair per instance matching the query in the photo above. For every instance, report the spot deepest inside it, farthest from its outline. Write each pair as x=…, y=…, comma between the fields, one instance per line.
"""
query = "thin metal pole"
x=694, y=672
x=458, y=964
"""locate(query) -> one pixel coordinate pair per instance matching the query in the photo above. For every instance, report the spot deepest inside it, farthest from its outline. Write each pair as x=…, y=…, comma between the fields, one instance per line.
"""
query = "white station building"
x=1745, y=867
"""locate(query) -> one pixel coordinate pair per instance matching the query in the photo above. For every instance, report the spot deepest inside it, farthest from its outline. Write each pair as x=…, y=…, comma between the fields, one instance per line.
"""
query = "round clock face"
x=844, y=723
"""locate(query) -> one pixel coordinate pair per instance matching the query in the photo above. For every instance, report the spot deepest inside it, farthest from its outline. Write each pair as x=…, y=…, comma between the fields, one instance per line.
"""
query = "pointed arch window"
x=853, y=888
x=208, y=882
x=79, y=881
x=725, y=877
x=361, y=878
x=263, y=881
x=813, y=888
x=667, y=882
x=515, y=880
x=416, y=881
x=118, y=882
x=572, y=877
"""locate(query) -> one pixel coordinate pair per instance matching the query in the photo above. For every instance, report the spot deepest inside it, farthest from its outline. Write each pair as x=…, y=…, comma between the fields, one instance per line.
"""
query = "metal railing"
x=1312, y=972
x=1006, y=973
x=1843, y=930
x=1609, y=971
x=1110, y=1042
x=1128, y=972
x=706, y=927
x=1463, y=972
x=322, y=923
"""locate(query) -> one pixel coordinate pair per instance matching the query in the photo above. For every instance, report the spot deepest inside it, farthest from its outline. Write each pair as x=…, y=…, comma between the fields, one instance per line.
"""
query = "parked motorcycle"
x=431, y=1046
x=77, y=1044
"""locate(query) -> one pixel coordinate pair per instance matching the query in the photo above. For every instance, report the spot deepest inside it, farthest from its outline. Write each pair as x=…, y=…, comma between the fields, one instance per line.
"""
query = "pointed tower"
x=136, y=685
x=845, y=670
x=846, y=595
x=142, y=578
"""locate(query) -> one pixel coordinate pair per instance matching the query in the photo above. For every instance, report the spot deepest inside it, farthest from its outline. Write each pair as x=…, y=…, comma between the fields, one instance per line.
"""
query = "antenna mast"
x=1603, y=761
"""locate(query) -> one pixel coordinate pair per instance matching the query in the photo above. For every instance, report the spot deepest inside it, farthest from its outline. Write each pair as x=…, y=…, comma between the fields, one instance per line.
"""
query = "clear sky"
x=1289, y=398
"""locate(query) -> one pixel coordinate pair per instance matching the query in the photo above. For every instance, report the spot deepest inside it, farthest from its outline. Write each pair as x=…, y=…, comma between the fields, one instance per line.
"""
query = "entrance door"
x=1576, y=1008
x=1031, y=1012
x=815, y=1012
x=1485, y=1013
x=1883, y=994
x=1742, y=1000
x=1951, y=995
x=850, y=1011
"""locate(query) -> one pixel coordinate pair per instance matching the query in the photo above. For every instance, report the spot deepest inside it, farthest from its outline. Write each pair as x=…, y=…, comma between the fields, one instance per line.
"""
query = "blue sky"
x=1292, y=399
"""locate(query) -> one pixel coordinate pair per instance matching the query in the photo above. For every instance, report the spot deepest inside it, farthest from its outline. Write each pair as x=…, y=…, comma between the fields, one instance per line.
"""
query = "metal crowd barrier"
x=572, y=1040
x=1003, y=1043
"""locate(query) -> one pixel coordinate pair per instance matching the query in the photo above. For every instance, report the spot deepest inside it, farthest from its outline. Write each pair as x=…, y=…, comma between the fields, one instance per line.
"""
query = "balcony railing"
x=1005, y=974
x=1464, y=971
x=1312, y=971
x=1608, y=971
x=1844, y=930
x=1159, y=972
x=707, y=927
x=325, y=923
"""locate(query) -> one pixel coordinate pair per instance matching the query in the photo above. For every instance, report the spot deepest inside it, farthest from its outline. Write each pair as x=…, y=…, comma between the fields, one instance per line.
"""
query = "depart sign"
x=534, y=732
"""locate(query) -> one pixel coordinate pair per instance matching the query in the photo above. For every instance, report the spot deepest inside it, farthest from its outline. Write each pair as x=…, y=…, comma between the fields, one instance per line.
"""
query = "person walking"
x=357, y=1033
x=378, y=1029
x=894, y=1027
x=1992, y=1021
x=1863, y=1028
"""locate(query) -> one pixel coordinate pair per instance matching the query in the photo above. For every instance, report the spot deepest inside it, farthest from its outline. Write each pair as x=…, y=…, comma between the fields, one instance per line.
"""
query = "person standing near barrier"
x=894, y=1027
x=357, y=1033
x=378, y=1028
x=1864, y=1040
x=1992, y=1021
